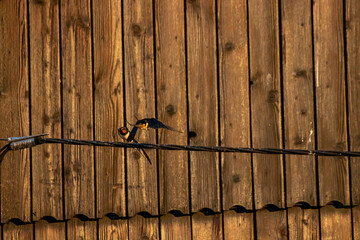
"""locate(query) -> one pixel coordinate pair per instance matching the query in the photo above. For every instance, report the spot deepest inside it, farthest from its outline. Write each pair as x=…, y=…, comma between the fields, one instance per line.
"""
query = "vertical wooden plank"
x=298, y=100
x=140, y=102
x=46, y=230
x=171, y=104
x=234, y=102
x=335, y=223
x=356, y=222
x=206, y=226
x=12, y=231
x=352, y=9
x=175, y=227
x=109, y=106
x=77, y=107
x=14, y=108
x=113, y=229
x=238, y=225
x=303, y=223
x=330, y=100
x=271, y=224
x=203, y=107
x=143, y=228
x=266, y=101
x=82, y=230
x=46, y=108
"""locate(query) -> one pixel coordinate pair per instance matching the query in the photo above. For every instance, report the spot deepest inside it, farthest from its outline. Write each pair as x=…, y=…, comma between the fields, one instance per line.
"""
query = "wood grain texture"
x=335, y=223
x=109, y=106
x=14, y=108
x=202, y=97
x=266, y=101
x=84, y=230
x=234, y=102
x=77, y=107
x=298, y=100
x=113, y=229
x=271, y=224
x=303, y=223
x=140, y=103
x=175, y=227
x=238, y=225
x=143, y=228
x=171, y=104
x=356, y=222
x=12, y=231
x=206, y=226
x=330, y=100
x=46, y=230
x=46, y=108
x=352, y=9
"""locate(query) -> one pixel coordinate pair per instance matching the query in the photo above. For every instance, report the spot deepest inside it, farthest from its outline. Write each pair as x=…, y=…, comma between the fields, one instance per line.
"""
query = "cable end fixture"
x=17, y=143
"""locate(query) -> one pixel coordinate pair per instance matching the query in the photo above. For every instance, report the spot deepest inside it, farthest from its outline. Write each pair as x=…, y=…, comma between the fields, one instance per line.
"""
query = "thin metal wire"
x=199, y=148
x=27, y=143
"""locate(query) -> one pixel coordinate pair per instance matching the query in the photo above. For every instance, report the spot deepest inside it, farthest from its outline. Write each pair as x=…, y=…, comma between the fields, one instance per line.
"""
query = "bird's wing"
x=132, y=134
x=156, y=124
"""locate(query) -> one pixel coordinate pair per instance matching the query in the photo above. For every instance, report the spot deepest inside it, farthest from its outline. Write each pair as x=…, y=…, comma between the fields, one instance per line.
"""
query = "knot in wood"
x=192, y=134
x=273, y=96
x=229, y=46
x=136, y=155
x=299, y=73
x=46, y=120
x=136, y=29
x=170, y=109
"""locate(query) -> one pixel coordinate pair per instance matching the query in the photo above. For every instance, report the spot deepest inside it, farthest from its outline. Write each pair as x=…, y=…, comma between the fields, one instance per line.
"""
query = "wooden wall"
x=240, y=73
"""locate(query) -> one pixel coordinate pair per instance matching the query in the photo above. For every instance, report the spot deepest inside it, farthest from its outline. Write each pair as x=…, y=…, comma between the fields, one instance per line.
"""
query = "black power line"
x=201, y=148
x=26, y=142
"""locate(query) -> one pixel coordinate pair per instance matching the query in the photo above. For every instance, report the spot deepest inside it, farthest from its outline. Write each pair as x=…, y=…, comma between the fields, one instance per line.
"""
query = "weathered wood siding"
x=239, y=73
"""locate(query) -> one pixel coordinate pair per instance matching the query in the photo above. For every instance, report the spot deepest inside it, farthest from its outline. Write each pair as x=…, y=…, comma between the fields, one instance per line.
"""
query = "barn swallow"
x=129, y=137
x=152, y=123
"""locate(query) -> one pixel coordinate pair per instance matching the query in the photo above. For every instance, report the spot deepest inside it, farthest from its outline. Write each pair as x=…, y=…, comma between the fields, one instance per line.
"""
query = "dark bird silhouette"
x=130, y=137
x=152, y=123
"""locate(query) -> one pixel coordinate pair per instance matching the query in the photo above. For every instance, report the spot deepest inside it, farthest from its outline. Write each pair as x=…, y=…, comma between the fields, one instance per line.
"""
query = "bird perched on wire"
x=130, y=137
x=143, y=124
x=146, y=123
